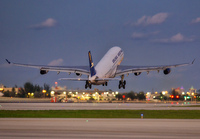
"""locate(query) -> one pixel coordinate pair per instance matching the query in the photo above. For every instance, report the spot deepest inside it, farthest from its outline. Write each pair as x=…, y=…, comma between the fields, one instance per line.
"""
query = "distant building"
x=179, y=90
x=192, y=91
x=4, y=89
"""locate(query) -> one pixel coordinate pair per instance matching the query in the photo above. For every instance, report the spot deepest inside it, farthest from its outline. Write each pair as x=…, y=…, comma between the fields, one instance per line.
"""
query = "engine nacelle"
x=78, y=74
x=137, y=73
x=42, y=72
x=167, y=71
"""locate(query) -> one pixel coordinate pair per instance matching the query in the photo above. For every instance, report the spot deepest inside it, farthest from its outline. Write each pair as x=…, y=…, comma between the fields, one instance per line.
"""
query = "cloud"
x=197, y=20
x=140, y=35
x=151, y=20
x=56, y=62
x=50, y=22
x=178, y=38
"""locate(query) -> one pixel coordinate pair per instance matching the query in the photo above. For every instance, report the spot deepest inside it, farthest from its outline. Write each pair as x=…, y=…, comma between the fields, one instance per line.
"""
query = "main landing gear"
x=88, y=84
x=122, y=83
x=106, y=84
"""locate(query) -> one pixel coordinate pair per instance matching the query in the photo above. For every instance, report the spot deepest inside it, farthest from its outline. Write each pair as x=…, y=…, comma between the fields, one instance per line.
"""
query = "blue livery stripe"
x=91, y=64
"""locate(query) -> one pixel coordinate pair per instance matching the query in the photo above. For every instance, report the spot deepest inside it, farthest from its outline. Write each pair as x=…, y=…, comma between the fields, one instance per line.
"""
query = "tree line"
x=28, y=89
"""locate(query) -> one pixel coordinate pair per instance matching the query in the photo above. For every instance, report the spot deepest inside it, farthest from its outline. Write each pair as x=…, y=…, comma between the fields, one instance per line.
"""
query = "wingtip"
x=8, y=61
x=193, y=61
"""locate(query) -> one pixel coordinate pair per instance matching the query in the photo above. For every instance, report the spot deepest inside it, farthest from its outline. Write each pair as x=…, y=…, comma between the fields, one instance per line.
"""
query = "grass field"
x=160, y=114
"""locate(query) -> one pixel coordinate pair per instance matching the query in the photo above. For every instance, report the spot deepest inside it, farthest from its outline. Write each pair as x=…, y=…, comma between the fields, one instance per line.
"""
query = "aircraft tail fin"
x=91, y=64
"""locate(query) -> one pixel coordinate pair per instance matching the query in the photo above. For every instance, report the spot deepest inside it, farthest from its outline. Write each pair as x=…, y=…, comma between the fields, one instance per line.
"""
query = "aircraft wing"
x=70, y=69
x=138, y=69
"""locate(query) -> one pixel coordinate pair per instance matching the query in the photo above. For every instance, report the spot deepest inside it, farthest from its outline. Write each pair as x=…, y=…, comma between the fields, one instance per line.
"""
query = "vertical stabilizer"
x=91, y=64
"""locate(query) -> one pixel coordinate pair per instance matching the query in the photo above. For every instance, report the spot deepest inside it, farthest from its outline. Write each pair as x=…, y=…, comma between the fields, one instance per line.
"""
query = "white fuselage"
x=107, y=66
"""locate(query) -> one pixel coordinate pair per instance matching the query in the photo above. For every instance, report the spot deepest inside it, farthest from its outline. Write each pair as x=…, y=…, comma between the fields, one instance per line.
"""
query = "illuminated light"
x=32, y=94
x=156, y=92
x=117, y=92
x=164, y=92
x=96, y=92
x=83, y=92
x=177, y=96
x=73, y=95
x=123, y=96
x=192, y=94
x=70, y=92
x=56, y=83
x=93, y=94
x=1, y=89
x=52, y=92
x=44, y=91
x=183, y=93
x=64, y=93
x=29, y=94
x=154, y=96
x=76, y=92
x=195, y=97
x=172, y=96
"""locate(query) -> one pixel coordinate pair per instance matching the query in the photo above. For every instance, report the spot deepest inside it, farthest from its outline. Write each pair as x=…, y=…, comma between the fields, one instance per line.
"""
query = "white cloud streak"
x=151, y=20
x=178, y=38
x=50, y=22
x=197, y=20
x=140, y=35
x=56, y=62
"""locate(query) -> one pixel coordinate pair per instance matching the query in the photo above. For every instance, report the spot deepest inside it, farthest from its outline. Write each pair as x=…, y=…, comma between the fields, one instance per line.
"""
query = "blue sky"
x=62, y=32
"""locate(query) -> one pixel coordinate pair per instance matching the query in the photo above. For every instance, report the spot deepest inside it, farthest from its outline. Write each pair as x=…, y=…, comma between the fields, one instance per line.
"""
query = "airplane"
x=106, y=69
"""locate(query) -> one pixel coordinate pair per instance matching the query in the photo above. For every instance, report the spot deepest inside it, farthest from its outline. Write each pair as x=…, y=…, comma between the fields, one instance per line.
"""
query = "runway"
x=98, y=128
x=97, y=106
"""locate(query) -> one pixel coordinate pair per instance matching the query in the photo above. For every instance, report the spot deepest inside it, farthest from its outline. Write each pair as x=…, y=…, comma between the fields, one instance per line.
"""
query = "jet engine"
x=78, y=74
x=42, y=72
x=137, y=73
x=167, y=71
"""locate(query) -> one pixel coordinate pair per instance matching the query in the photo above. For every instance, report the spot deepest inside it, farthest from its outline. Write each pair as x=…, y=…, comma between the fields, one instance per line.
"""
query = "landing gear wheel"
x=106, y=83
x=90, y=86
x=124, y=82
x=119, y=86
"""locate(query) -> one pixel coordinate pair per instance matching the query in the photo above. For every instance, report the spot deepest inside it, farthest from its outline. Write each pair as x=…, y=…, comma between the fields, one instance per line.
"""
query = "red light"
x=195, y=97
x=177, y=96
x=172, y=96
x=123, y=96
